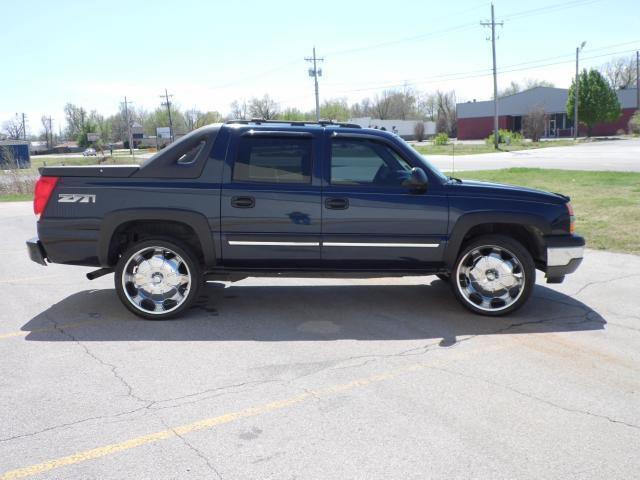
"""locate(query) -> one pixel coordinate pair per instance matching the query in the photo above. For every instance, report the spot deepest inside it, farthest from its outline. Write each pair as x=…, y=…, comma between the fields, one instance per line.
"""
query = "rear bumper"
x=564, y=255
x=36, y=251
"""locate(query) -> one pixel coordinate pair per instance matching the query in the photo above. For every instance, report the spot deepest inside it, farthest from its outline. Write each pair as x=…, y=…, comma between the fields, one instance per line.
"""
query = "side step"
x=99, y=273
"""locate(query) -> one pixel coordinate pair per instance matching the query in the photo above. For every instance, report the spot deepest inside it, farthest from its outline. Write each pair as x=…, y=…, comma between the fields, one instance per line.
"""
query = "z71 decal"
x=76, y=198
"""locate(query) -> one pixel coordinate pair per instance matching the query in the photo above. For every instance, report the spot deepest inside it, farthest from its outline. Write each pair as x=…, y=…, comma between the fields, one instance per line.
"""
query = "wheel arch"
x=528, y=229
x=190, y=227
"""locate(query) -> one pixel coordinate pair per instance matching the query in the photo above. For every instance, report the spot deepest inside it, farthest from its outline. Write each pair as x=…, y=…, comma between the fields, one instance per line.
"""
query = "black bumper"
x=36, y=251
x=564, y=256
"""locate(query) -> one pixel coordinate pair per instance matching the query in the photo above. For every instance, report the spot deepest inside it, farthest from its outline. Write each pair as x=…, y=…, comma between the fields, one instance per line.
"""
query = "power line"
x=315, y=73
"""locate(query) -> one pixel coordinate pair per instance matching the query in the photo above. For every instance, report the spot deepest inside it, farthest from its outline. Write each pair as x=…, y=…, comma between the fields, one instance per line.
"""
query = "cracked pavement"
x=303, y=378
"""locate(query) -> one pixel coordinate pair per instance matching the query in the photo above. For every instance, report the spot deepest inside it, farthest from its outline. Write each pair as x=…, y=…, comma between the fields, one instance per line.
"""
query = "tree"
x=533, y=123
x=265, y=108
x=381, y=106
x=74, y=117
x=446, y=117
x=335, y=109
x=529, y=83
x=620, y=72
x=598, y=102
x=418, y=131
x=427, y=106
x=239, y=110
x=195, y=118
x=46, y=126
x=160, y=118
x=13, y=128
x=292, y=114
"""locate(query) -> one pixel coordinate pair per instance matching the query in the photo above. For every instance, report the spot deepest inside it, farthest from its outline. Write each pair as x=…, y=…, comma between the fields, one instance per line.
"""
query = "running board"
x=99, y=273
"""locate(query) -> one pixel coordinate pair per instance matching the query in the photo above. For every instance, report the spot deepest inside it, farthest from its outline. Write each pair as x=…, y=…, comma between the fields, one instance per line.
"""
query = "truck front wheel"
x=493, y=275
x=157, y=278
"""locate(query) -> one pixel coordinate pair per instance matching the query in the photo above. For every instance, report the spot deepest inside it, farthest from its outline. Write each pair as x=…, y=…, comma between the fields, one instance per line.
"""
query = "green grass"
x=606, y=204
x=472, y=149
x=16, y=197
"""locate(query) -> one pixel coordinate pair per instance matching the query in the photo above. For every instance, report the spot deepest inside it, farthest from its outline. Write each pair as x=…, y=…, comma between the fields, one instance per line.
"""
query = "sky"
x=209, y=53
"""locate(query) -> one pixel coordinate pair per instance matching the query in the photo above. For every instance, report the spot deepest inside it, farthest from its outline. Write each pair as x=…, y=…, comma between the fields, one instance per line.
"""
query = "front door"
x=370, y=220
x=270, y=201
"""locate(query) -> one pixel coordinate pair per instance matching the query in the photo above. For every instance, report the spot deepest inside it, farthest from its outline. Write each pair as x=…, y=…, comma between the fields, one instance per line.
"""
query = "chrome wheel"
x=156, y=280
x=491, y=278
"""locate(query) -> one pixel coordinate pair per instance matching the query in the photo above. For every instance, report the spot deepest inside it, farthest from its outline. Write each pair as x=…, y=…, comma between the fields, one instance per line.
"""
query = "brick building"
x=475, y=119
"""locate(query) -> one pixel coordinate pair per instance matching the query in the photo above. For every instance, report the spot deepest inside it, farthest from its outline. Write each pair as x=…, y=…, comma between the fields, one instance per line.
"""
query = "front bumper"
x=564, y=256
x=36, y=251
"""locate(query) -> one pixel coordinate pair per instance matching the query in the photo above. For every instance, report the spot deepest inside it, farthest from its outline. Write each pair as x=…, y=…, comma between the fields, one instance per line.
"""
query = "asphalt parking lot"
x=307, y=379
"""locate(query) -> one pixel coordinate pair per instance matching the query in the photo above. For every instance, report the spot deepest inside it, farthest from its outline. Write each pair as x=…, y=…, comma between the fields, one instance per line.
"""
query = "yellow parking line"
x=219, y=420
x=24, y=333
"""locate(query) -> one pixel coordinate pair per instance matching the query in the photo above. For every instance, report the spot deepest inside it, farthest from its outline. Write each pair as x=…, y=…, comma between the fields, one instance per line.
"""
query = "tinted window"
x=363, y=162
x=190, y=156
x=273, y=160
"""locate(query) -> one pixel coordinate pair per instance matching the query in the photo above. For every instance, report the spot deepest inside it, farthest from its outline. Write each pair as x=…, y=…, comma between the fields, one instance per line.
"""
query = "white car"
x=89, y=152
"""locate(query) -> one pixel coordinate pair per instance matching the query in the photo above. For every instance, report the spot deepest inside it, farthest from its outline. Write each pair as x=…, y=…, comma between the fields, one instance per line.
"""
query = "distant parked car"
x=89, y=152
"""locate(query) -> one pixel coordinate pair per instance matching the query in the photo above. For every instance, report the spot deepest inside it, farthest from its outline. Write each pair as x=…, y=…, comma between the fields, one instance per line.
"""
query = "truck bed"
x=107, y=171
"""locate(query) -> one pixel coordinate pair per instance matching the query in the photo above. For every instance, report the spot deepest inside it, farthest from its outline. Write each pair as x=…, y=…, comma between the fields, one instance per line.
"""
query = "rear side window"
x=273, y=160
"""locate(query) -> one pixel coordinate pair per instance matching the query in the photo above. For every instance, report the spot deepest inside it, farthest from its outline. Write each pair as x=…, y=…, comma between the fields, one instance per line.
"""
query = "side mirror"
x=417, y=181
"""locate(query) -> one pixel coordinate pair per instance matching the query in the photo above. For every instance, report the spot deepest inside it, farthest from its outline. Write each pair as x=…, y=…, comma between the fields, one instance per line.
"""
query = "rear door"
x=270, y=200
x=370, y=220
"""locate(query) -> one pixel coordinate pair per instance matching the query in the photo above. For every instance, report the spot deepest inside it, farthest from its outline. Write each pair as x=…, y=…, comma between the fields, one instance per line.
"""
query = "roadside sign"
x=93, y=137
x=163, y=132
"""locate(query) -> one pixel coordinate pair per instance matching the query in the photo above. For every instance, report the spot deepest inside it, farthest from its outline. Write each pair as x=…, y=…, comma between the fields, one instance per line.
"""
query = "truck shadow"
x=305, y=313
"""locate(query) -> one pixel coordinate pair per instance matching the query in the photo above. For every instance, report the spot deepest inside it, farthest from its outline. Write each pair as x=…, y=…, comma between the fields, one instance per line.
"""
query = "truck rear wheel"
x=158, y=278
x=493, y=275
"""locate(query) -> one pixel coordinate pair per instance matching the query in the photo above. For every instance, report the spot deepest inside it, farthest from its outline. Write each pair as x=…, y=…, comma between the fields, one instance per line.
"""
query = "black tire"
x=504, y=253
x=167, y=278
x=445, y=277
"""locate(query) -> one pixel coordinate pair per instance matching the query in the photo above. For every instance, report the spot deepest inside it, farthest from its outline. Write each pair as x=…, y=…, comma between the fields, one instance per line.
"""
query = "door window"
x=366, y=163
x=273, y=160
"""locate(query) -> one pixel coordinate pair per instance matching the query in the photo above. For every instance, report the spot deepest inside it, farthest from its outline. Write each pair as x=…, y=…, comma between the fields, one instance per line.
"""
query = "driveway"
x=618, y=155
x=308, y=379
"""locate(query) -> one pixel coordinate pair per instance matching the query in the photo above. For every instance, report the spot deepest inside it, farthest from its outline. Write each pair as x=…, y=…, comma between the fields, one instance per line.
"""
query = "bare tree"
x=265, y=108
x=620, y=72
x=46, y=127
x=381, y=106
x=75, y=118
x=13, y=128
x=239, y=110
x=428, y=106
x=446, y=117
x=533, y=123
x=529, y=83
x=418, y=131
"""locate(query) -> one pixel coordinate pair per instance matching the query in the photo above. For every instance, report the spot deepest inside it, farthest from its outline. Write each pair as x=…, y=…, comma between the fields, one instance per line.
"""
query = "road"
x=308, y=379
x=618, y=155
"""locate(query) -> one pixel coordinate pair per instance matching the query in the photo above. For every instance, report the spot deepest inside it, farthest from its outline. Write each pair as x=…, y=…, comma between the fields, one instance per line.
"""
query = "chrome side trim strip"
x=392, y=245
x=276, y=244
x=561, y=256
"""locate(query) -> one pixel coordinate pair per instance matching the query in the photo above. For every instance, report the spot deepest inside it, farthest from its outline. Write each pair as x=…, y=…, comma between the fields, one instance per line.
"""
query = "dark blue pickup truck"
x=264, y=198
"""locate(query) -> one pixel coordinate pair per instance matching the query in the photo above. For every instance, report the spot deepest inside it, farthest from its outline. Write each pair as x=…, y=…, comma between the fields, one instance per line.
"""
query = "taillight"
x=42, y=193
x=572, y=218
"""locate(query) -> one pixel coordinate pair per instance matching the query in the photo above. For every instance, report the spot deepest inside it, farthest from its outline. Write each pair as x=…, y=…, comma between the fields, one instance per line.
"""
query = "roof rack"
x=295, y=123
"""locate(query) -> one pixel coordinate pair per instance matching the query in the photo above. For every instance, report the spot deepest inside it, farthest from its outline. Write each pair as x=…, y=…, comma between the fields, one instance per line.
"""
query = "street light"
x=575, y=93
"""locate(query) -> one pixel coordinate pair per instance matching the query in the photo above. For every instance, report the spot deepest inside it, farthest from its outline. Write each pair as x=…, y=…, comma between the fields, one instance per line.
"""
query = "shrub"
x=506, y=136
x=634, y=123
x=418, y=131
x=441, y=139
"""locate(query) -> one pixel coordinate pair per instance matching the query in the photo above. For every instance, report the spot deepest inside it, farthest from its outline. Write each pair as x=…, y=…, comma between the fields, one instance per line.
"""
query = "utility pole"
x=315, y=73
x=126, y=114
x=24, y=128
x=638, y=79
x=167, y=103
x=495, y=75
x=50, y=135
x=576, y=92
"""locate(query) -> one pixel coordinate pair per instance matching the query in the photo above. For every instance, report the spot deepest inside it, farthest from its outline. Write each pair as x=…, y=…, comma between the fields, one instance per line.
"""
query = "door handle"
x=336, y=203
x=243, y=202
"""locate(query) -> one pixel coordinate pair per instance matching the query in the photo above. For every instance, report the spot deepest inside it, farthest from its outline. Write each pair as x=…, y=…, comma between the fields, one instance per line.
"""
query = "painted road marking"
x=212, y=422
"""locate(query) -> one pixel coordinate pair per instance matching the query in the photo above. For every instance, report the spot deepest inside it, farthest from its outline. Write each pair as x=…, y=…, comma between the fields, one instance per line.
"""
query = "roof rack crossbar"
x=294, y=123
